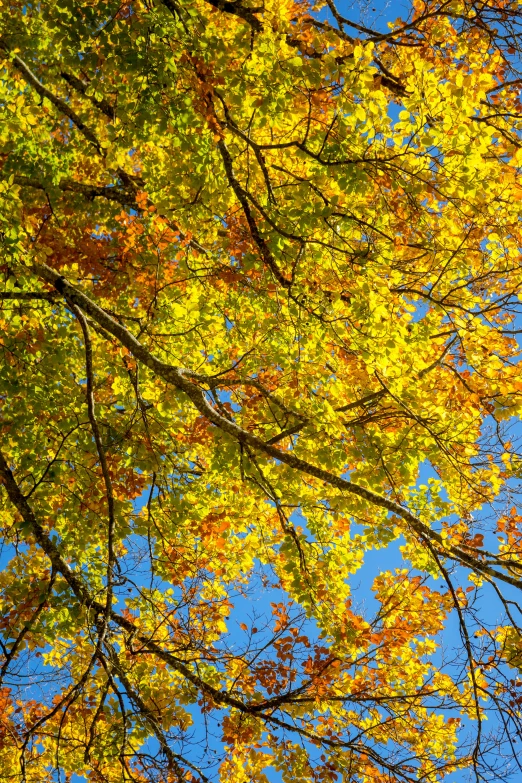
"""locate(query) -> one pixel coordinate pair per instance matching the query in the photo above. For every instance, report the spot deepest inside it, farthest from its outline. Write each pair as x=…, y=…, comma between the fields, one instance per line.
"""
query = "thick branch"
x=47, y=296
x=254, y=230
x=180, y=379
x=60, y=104
x=127, y=198
x=81, y=87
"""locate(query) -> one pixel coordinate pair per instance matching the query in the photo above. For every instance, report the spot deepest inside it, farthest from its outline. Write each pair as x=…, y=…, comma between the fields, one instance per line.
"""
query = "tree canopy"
x=260, y=289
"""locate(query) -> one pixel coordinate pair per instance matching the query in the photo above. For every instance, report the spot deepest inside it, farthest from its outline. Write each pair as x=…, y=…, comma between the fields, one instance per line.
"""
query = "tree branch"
x=60, y=104
x=180, y=379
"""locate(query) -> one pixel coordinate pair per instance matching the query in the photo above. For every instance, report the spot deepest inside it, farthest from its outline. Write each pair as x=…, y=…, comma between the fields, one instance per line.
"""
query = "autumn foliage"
x=260, y=391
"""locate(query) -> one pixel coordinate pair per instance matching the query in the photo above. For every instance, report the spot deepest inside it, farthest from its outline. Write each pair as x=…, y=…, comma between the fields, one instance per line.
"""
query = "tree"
x=260, y=289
